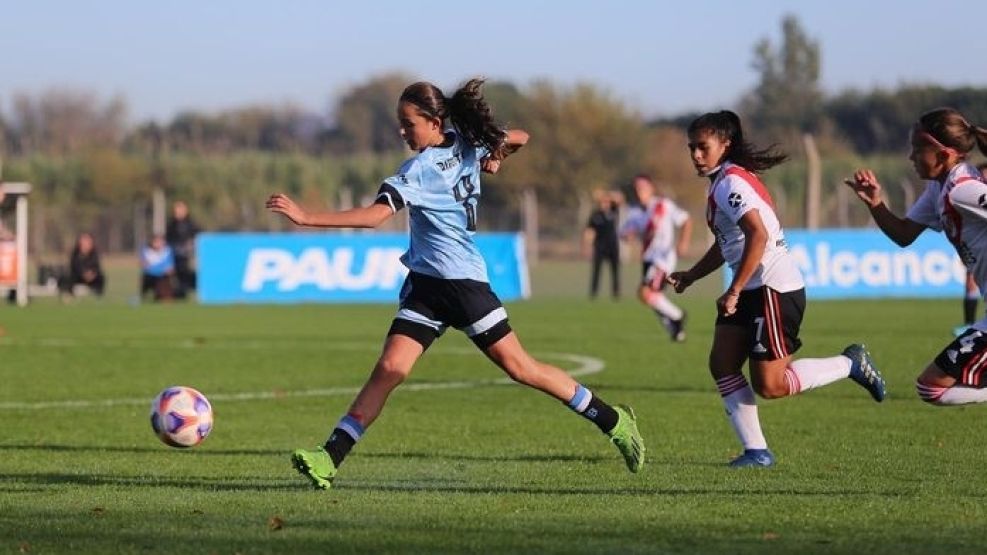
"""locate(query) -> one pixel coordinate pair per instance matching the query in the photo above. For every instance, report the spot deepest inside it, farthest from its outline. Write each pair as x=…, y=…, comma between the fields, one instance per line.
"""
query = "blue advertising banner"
x=332, y=267
x=864, y=263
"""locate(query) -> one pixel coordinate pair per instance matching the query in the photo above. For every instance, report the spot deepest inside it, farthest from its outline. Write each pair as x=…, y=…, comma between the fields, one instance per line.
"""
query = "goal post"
x=13, y=242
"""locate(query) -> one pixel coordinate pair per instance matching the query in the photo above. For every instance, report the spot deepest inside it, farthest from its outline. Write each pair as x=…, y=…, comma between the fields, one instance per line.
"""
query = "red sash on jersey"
x=656, y=214
x=751, y=180
x=754, y=182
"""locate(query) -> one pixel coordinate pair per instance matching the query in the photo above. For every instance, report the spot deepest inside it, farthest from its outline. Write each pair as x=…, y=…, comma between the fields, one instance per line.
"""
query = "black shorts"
x=773, y=320
x=652, y=276
x=966, y=358
x=429, y=305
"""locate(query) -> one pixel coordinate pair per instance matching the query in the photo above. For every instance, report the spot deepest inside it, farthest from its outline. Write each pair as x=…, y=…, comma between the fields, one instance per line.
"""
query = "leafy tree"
x=787, y=97
x=63, y=121
x=365, y=116
x=879, y=121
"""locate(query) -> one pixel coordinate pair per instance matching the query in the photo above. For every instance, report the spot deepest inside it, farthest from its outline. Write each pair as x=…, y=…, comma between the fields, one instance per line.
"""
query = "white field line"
x=584, y=366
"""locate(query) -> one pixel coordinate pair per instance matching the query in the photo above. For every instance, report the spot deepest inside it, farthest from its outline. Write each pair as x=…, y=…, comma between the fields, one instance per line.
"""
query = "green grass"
x=490, y=468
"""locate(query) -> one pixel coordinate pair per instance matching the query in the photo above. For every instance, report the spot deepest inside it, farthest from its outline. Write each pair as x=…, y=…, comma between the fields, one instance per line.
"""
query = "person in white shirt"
x=760, y=313
x=953, y=202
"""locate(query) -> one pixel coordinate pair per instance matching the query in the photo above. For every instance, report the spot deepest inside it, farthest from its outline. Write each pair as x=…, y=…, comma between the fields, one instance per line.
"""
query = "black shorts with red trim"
x=429, y=305
x=652, y=276
x=773, y=320
x=966, y=358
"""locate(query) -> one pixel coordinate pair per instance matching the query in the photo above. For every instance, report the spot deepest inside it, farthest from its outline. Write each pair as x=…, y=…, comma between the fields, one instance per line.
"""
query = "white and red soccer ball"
x=181, y=416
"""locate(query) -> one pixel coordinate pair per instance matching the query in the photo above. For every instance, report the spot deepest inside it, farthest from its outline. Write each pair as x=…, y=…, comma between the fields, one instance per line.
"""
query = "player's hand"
x=281, y=204
x=680, y=280
x=865, y=184
x=490, y=165
x=726, y=305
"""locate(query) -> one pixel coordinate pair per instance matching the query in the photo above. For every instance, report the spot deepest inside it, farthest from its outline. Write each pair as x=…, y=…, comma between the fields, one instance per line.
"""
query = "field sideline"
x=478, y=467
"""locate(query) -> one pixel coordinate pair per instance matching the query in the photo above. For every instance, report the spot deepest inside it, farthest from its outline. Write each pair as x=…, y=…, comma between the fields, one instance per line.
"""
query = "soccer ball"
x=181, y=416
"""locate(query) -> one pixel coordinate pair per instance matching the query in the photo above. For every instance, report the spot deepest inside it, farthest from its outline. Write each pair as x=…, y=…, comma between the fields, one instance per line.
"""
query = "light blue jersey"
x=441, y=188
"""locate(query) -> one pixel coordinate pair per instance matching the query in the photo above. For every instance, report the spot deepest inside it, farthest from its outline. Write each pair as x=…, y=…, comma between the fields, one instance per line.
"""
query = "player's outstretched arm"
x=365, y=217
x=900, y=230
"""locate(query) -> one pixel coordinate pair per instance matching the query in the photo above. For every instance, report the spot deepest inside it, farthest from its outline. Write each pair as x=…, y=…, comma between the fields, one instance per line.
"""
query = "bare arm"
x=900, y=230
x=685, y=235
x=365, y=217
x=706, y=265
x=514, y=139
x=755, y=243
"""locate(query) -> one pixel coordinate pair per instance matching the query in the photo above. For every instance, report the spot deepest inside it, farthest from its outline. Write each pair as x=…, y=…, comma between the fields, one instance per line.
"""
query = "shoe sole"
x=880, y=391
x=303, y=468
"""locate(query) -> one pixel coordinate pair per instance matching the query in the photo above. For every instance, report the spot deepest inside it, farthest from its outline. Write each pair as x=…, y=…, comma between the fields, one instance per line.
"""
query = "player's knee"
x=644, y=295
x=390, y=371
x=771, y=390
x=930, y=393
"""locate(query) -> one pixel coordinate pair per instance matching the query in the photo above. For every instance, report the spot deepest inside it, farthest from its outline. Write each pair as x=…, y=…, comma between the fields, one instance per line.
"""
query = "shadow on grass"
x=242, y=483
x=491, y=458
x=201, y=451
x=428, y=486
x=424, y=485
x=284, y=453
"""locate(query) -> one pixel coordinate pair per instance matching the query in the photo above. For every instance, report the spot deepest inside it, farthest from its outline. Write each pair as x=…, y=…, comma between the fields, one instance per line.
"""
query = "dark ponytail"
x=980, y=134
x=952, y=130
x=726, y=126
x=471, y=116
x=466, y=110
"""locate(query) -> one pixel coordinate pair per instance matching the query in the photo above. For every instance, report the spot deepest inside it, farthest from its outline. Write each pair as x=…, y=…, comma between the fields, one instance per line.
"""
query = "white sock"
x=738, y=397
x=665, y=307
x=956, y=395
x=809, y=373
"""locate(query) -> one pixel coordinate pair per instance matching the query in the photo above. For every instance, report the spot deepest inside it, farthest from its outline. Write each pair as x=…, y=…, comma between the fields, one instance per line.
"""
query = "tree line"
x=94, y=171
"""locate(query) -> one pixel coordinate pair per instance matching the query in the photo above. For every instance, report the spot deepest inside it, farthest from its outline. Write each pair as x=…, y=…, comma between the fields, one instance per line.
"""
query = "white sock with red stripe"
x=809, y=373
x=956, y=395
x=665, y=307
x=738, y=397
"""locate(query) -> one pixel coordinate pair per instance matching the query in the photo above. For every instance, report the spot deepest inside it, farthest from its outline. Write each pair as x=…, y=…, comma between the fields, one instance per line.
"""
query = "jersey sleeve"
x=924, y=210
x=402, y=188
x=735, y=197
x=970, y=197
x=481, y=152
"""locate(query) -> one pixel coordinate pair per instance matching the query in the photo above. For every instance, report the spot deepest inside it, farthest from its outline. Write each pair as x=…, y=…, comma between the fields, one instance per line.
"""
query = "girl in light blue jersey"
x=455, y=138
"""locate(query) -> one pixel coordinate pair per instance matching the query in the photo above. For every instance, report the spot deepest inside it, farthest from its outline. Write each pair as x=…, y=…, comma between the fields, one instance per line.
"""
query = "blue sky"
x=662, y=58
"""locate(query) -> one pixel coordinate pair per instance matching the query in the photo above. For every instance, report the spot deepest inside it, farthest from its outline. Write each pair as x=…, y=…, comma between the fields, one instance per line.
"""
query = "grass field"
x=479, y=467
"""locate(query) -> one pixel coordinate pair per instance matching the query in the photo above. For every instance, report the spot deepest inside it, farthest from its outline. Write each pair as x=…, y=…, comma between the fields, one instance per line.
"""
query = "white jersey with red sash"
x=655, y=226
x=733, y=193
x=958, y=207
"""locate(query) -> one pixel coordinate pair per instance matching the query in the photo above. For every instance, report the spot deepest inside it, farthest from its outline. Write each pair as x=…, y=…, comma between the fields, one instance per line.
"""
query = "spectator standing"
x=180, y=234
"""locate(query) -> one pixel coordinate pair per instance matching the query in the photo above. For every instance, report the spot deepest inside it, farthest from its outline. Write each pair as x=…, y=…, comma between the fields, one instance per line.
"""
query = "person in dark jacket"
x=180, y=235
x=84, y=266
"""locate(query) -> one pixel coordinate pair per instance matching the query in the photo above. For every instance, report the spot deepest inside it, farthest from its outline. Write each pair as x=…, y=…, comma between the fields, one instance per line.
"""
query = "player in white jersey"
x=760, y=313
x=447, y=285
x=654, y=223
x=971, y=293
x=953, y=202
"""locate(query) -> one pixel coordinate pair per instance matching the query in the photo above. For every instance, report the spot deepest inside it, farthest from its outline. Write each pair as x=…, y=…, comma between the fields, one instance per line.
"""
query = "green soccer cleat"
x=627, y=438
x=315, y=465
